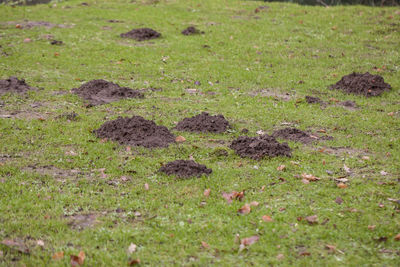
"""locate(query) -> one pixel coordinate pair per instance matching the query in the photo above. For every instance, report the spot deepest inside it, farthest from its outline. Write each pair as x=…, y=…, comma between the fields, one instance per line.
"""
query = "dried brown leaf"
x=205, y=245
x=78, y=260
x=267, y=218
x=134, y=262
x=58, y=255
x=281, y=167
x=180, y=139
x=310, y=177
x=18, y=245
x=248, y=241
x=207, y=192
x=254, y=203
x=397, y=237
x=312, y=219
x=245, y=209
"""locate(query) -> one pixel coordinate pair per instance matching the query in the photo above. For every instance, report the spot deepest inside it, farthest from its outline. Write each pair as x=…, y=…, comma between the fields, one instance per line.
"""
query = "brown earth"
x=141, y=34
x=362, y=84
x=14, y=85
x=259, y=147
x=99, y=92
x=313, y=100
x=185, y=169
x=294, y=134
x=190, y=31
x=204, y=122
x=136, y=131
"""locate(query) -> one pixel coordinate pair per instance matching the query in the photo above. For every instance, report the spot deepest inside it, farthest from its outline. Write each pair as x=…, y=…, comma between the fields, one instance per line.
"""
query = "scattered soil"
x=185, y=169
x=61, y=175
x=56, y=42
x=259, y=147
x=30, y=24
x=362, y=84
x=348, y=104
x=274, y=93
x=72, y=116
x=313, y=100
x=14, y=85
x=294, y=134
x=99, y=92
x=82, y=221
x=204, y=122
x=190, y=31
x=136, y=131
x=141, y=34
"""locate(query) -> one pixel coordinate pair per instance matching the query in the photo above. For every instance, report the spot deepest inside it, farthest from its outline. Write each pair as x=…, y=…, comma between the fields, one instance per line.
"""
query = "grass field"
x=64, y=190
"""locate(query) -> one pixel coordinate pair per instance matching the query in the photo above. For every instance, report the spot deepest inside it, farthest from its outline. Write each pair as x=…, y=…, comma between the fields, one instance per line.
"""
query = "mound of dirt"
x=190, y=31
x=99, y=92
x=14, y=85
x=294, y=134
x=362, y=84
x=136, y=131
x=185, y=168
x=204, y=122
x=259, y=147
x=141, y=34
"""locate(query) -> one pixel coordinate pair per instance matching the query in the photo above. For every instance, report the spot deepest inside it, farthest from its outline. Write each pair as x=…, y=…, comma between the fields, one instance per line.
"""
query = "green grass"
x=248, y=52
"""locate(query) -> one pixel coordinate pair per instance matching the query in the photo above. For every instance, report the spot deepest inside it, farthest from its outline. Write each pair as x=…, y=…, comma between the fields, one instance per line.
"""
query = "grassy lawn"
x=62, y=189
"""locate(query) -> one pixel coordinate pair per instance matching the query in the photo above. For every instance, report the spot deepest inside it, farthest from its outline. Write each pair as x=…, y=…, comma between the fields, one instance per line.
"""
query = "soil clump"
x=259, y=147
x=99, y=92
x=141, y=34
x=190, y=31
x=136, y=131
x=362, y=84
x=14, y=85
x=204, y=122
x=313, y=100
x=185, y=169
x=294, y=134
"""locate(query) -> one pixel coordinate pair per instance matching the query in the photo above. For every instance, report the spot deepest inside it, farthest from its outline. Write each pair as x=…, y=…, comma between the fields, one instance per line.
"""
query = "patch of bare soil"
x=82, y=221
x=294, y=134
x=14, y=85
x=259, y=147
x=191, y=31
x=348, y=104
x=204, y=122
x=185, y=169
x=341, y=151
x=61, y=175
x=26, y=24
x=274, y=93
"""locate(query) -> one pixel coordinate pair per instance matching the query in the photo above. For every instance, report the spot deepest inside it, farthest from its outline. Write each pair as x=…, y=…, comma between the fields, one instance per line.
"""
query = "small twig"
x=322, y=3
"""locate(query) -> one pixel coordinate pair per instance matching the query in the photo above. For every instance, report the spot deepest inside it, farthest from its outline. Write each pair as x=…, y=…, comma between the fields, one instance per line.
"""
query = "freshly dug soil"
x=190, y=31
x=14, y=85
x=99, y=92
x=185, y=168
x=259, y=147
x=136, y=131
x=313, y=100
x=204, y=122
x=362, y=84
x=293, y=134
x=141, y=34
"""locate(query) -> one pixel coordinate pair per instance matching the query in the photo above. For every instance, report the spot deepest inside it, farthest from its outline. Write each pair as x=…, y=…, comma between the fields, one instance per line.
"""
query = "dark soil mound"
x=313, y=100
x=204, y=122
x=293, y=134
x=136, y=131
x=190, y=30
x=363, y=84
x=259, y=147
x=99, y=92
x=185, y=168
x=14, y=85
x=141, y=34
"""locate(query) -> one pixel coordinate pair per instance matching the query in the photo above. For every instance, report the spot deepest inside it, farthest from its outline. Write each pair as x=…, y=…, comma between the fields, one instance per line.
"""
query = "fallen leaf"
x=58, y=255
x=205, y=245
x=132, y=248
x=371, y=227
x=383, y=173
x=267, y=218
x=134, y=262
x=40, y=243
x=245, y=209
x=310, y=177
x=18, y=26
x=280, y=257
x=180, y=139
x=234, y=195
x=342, y=185
x=254, y=203
x=78, y=260
x=346, y=169
x=339, y=200
x=146, y=186
x=331, y=248
x=128, y=149
x=281, y=167
x=397, y=237
x=56, y=54
x=312, y=219
x=27, y=40
x=207, y=192
x=305, y=253
x=391, y=113
x=262, y=188
x=305, y=181
x=248, y=241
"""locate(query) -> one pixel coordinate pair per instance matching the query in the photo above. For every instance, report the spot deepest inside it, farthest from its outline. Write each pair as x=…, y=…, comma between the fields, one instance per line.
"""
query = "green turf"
x=240, y=54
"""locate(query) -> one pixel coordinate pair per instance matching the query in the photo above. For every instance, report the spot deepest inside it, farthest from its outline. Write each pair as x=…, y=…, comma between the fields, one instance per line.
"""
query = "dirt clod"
x=14, y=85
x=141, y=34
x=99, y=92
x=190, y=31
x=294, y=134
x=313, y=100
x=136, y=131
x=204, y=122
x=362, y=84
x=185, y=168
x=259, y=147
